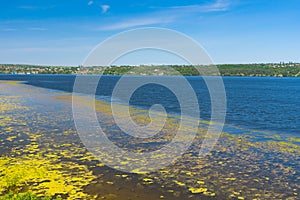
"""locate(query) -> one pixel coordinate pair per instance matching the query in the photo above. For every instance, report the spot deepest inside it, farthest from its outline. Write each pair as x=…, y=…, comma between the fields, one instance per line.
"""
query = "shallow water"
x=37, y=125
x=266, y=104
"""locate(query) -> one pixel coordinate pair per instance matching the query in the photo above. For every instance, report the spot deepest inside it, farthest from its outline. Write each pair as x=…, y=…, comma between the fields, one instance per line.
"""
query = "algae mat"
x=41, y=152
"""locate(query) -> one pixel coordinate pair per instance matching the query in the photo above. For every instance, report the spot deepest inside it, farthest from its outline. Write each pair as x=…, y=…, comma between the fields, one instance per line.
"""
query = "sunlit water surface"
x=257, y=157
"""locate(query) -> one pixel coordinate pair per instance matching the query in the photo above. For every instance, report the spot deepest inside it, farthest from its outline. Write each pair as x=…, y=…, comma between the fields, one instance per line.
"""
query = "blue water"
x=266, y=104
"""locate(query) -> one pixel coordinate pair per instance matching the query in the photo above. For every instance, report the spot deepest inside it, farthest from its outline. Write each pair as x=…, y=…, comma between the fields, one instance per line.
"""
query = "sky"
x=63, y=32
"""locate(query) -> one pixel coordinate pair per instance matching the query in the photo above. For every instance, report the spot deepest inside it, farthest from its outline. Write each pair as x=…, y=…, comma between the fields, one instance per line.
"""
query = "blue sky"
x=63, y=32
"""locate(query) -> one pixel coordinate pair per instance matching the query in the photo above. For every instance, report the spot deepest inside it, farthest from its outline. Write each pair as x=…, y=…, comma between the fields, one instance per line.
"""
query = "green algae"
x=293, y=139
x=26, y=196
x=42, y=175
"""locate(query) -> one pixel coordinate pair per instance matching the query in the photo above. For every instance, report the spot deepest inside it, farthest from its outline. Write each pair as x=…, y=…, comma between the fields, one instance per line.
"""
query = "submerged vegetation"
x=41, y=157
x=25, y=196
x=35, y=167
x=269, y=69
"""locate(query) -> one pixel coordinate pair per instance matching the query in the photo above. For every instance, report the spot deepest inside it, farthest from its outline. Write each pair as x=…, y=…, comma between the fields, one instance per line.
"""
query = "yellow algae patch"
x=11, y=82
x=40, y=173
x=66, y=145
x=55, y=187
x=40, y=176
x=158, y=156
x=88, y=157
x=148, y=180
x=122, y=175
x=11, y=138
x=230, y=179
x=293, y=139
x=100, y=165
x=189, y=173
x=197, y=190
x=139, y=171
x=179, y=183
x=164, y=171
x=201, y=182
x=212, y=194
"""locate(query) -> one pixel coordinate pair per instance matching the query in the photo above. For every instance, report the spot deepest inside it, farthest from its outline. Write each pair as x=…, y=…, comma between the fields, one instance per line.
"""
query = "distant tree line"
x=271, y=69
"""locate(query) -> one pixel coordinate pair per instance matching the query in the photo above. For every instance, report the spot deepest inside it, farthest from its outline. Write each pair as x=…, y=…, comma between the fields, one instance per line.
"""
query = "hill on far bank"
x=269, y=69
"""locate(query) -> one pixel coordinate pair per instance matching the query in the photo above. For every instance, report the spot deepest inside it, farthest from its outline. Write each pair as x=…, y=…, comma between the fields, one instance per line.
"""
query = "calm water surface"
x=265, y=104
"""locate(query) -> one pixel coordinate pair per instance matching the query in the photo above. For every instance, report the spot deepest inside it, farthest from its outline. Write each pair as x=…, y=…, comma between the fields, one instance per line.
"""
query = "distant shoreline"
x=239, y=70
x=224, y=76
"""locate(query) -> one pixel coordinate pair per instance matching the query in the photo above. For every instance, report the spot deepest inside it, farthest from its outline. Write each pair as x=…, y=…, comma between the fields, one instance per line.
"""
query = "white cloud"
x=9, y=29
x=37, y=7
x=218, y=5
x=90, y=3
x=168, y=15
x=37, y=29
x=135, y=22
x=30, y=29
x=28, y=7
x=105, y=8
